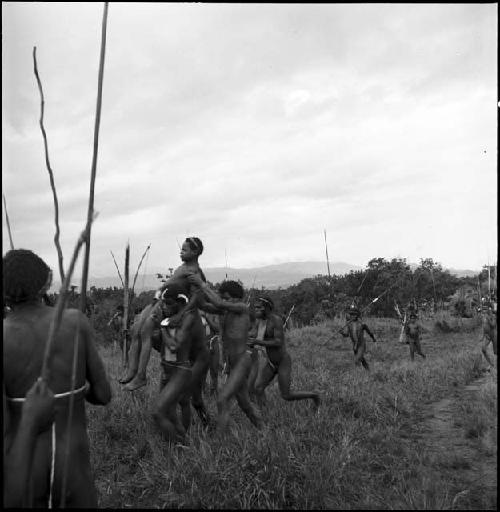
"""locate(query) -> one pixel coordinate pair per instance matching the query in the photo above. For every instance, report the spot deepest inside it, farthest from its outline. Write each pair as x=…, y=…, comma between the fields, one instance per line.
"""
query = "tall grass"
x=358, y=451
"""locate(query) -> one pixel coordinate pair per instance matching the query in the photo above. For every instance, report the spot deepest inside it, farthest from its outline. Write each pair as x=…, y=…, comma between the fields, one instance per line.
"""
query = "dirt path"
x=473, y=473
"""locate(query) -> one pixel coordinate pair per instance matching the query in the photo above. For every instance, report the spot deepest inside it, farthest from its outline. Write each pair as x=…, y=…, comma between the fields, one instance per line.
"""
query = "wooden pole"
x=49, y=169
x=327, y=259
x=125, y=306
x=90, y=211
x=8, y=223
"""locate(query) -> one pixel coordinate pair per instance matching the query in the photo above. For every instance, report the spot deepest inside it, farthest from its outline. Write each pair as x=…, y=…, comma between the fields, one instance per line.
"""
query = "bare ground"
x=458, y=457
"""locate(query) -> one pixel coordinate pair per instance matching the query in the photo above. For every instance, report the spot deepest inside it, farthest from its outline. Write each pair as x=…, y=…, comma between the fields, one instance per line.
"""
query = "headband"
x=266, y=301
x=195, y=243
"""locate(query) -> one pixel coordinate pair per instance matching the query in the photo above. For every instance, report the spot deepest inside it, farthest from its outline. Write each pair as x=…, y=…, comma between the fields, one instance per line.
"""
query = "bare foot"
x=126, y=378
x=135, y=383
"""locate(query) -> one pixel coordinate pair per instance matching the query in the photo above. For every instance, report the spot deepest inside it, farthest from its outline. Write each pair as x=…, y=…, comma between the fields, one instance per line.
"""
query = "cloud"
x=256, y=126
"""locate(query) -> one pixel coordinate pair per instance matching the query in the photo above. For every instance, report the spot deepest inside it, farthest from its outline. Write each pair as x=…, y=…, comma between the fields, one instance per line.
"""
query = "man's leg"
x=412, y=350
x=214, y=367
x=166, y=410
x=484, y=350
x=359, y=356
x=133, y=356
x=246, y=406
x=238, y=375
x=418, y=349
x=264, y=378
x=284, y=382
x=252, y=377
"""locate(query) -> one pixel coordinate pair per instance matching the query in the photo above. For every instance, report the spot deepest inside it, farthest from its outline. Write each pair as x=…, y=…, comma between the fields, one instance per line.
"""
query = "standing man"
x=26, y=278
x=355, y=330
x=413, y=332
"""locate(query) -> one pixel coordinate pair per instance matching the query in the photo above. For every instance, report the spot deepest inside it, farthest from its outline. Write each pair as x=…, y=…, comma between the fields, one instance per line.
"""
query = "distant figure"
x=268, y=333
x=355, y=329
x=116, y=324
x=413, y=332
x=489, y=332
x=26, y=278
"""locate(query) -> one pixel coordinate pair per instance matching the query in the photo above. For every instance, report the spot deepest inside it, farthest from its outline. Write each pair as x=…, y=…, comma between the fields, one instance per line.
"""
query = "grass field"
x=361, y=451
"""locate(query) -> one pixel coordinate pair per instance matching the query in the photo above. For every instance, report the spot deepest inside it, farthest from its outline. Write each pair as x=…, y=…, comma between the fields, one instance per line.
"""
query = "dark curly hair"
x=234, y=289
x=24, y=275
x=196, y=244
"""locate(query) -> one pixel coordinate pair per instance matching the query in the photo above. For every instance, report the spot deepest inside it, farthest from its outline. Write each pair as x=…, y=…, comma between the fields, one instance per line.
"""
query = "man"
x=234, y=325
x=489, y=332
x=26, y=278
x=355, y=330
x=184, y=360
x=269, y=334
x=413, y=332
x=140, y=350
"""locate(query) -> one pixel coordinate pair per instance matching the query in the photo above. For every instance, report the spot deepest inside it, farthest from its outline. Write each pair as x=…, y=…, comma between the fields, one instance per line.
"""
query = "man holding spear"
x=26, y=278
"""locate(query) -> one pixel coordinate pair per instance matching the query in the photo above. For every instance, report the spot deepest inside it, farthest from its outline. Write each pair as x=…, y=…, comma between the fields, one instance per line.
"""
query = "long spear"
x=8, y=223
x=90, y=211
x=327, y=259
x=49, y=169
x=138, y=267
x=125, y=306
x=288, y=316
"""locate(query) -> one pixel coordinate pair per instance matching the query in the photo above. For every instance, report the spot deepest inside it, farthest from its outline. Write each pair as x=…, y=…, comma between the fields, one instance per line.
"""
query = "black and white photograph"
x=250, y=255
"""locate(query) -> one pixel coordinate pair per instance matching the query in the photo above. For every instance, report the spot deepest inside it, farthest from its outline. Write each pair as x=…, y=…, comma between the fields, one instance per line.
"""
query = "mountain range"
x=269, y=276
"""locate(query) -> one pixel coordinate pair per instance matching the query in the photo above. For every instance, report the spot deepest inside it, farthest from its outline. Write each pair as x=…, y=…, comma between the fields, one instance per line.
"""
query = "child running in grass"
x=140, y=350
x=413, y=333
x=355, y=330
x=234, y=326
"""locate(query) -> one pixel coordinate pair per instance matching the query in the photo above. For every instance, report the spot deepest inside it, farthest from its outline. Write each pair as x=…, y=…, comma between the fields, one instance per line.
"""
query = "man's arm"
x=37, y=416
x=365, y=327
x=99, y=392
x=277, y=340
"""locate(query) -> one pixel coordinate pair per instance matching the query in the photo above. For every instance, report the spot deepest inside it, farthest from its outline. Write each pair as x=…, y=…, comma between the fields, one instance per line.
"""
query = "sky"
x=255, y=127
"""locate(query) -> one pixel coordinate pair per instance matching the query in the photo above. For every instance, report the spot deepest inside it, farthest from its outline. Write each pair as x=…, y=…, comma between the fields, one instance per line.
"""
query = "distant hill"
x=270, y=276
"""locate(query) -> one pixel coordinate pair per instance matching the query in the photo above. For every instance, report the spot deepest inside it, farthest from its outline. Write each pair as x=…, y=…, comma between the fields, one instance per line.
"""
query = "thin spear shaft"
x=51, y=175
x=90, y=211
x=327, y=259
x=139, y=266
x=8, y=222
x=125, y=306
x=61, y=302
x=116, y=265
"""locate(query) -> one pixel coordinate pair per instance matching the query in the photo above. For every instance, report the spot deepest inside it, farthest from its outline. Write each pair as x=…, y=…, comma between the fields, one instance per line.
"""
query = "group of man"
x=182, y=324
x=46, y=455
